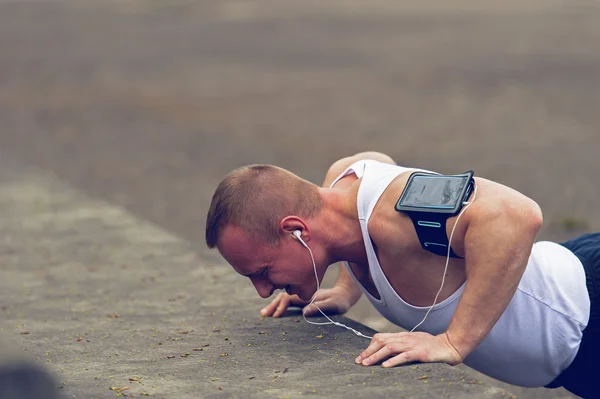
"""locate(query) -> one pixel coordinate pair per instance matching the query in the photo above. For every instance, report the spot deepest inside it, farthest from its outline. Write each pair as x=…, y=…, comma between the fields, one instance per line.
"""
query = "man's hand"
x=405, y=347
x=334, y=300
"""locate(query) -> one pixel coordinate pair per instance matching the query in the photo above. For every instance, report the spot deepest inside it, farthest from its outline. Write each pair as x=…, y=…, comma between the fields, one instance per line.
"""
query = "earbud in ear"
x=298, y=235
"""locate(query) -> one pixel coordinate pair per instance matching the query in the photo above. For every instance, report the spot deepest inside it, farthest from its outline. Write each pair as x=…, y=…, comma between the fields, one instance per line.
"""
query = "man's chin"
x=291, y=290
x=304, y=297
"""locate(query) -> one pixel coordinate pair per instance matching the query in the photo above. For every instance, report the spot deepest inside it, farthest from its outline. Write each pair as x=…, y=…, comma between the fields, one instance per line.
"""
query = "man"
x=511, y=308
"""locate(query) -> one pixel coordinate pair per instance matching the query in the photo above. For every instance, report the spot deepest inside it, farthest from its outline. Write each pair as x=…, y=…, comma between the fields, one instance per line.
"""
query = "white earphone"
x=298, y=235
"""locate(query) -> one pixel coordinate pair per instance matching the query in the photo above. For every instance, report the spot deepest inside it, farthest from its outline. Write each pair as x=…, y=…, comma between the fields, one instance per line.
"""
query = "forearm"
x=487, y=293
x=347, y=283
x=497, y=251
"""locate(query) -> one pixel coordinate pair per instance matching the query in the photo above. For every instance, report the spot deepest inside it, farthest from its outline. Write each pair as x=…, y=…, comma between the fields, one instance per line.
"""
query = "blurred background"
x=149, y=103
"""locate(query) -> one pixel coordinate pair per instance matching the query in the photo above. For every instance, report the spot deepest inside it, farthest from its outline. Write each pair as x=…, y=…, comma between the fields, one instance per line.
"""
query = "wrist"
x=348, y=291
x=460, y=353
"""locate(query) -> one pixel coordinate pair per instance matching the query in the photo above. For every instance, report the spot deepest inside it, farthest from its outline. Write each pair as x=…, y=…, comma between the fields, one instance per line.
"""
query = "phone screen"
x=434, y=191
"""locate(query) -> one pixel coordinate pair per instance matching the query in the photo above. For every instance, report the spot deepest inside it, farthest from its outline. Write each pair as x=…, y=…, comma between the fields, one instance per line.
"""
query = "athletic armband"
x=430, y=200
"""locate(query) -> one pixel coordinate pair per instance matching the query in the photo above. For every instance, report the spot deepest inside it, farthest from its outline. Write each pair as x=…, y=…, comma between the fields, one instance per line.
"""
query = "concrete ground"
x=113, y=306
x=147, y=104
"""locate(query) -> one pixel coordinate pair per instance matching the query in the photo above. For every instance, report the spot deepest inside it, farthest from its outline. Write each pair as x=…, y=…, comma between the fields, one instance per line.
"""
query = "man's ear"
x=289, y=224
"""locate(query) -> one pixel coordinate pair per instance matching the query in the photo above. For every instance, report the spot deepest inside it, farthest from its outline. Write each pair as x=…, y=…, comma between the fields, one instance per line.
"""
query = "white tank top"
x=539, y=333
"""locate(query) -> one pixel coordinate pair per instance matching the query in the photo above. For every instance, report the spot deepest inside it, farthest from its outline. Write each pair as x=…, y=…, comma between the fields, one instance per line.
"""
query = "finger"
x=326, y=306
x=377, y=343
x=284, y=303
x=404, y=357
x=310, y=310
x=391, y=349
x=270, y=308
x=378, y=356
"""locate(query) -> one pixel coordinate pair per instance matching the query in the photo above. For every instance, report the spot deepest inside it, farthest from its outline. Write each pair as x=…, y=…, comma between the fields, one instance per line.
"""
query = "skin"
x=494, y=235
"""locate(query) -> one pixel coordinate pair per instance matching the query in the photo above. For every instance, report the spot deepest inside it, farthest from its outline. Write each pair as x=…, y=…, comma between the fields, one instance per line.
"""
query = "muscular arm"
x=499, y=235
x=495, y=235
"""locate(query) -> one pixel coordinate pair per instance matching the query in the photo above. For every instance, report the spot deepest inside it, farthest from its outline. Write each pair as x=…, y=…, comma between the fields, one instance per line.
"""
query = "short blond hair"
x=256, y=198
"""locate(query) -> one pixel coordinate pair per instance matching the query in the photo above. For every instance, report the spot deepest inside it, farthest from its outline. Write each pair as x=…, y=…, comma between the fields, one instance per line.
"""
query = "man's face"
x=287, y=266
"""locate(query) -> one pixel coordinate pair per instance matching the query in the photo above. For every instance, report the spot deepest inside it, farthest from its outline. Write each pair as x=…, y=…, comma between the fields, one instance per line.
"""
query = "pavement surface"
x=147, y=104
x=113, y=306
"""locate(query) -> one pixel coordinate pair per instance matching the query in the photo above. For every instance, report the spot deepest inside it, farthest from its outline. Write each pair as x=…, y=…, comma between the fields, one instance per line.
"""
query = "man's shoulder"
x=388, y=227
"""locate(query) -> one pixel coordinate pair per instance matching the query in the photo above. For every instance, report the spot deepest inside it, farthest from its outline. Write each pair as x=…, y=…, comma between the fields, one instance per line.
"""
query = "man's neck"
x=338, y=227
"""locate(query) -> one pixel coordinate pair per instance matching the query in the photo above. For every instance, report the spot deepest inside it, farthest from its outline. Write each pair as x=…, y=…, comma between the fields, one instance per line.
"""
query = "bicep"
x=500, y=226
x=496, y=210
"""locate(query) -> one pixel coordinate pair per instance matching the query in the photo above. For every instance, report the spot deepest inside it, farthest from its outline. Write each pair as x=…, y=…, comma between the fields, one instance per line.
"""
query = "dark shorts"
x=579, y=377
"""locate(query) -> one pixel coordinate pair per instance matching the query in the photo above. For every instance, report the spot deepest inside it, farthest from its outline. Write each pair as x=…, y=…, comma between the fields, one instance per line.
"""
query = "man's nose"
x=263, y=287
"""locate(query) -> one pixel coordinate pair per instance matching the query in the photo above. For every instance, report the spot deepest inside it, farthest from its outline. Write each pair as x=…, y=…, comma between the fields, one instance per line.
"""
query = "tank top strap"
x=358, y=168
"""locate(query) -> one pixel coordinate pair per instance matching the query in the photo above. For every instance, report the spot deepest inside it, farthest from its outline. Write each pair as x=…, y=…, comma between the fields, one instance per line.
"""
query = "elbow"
x=535, y=218
x=539, y=218
x=528, y=216
x=525, y=215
